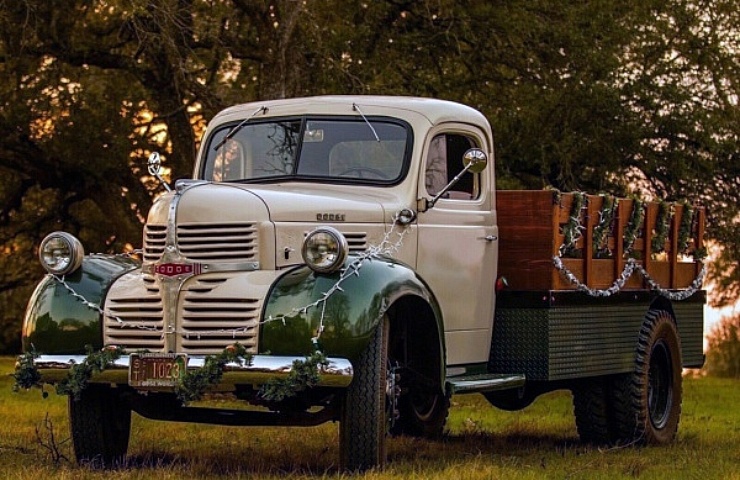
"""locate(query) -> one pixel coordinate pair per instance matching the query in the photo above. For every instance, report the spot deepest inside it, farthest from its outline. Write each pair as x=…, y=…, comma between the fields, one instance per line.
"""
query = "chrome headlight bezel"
x=324, y=250
x=61, y=253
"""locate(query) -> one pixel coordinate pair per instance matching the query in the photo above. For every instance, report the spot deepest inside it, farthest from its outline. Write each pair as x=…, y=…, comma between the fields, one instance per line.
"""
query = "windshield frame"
x=210, y=150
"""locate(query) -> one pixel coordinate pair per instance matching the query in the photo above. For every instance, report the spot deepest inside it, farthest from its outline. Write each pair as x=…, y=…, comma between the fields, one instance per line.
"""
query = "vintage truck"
x=368, y=229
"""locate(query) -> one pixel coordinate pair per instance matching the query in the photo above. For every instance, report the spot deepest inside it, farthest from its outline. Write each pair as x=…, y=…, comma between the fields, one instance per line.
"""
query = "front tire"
x=647, y=402
x=100, y=425
x=363, y=426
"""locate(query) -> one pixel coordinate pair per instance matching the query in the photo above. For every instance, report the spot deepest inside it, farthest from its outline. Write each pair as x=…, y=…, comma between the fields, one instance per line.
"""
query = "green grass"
x=482, y=443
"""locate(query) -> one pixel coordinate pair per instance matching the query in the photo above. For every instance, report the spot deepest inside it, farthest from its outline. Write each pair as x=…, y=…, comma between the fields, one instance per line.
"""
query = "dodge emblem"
x=176, y=269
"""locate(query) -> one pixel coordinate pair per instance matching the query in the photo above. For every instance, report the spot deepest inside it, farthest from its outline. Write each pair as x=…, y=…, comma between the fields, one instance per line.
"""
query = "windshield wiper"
x=357, y=107
x=238, y=127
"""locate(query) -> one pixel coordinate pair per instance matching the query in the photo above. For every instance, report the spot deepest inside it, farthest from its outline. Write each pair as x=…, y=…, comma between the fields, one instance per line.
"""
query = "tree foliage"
x=723, y=354
x=599, y=96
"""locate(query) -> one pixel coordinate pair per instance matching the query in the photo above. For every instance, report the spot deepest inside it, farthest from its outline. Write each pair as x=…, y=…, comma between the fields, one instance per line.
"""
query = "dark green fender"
x=350, y=314
x=57, y=322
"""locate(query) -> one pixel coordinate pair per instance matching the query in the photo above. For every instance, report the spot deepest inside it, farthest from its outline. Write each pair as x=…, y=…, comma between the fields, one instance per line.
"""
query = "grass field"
x=482, y=443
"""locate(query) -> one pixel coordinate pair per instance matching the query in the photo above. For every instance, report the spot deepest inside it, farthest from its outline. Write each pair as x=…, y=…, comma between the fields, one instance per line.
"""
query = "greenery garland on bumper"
x=190, y=387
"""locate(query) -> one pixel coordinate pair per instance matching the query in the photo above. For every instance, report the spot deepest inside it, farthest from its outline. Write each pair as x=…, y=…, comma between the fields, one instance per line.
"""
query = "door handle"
x=489, y=238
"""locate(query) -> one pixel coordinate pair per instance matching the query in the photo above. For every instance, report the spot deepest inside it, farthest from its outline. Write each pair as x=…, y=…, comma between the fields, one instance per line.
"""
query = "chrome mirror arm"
x=154, y=165
x=475, y=160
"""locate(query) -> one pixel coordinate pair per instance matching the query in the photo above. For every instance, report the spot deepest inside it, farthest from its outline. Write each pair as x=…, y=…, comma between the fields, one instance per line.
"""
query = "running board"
x=486, y=382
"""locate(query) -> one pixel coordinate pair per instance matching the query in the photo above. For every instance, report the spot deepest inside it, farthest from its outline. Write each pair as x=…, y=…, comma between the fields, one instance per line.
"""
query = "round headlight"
x=324, y=250
x=61, y=253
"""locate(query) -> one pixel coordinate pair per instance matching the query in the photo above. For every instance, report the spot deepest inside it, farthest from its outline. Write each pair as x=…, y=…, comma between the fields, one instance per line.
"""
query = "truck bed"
x=545, y=327
x=533, y=223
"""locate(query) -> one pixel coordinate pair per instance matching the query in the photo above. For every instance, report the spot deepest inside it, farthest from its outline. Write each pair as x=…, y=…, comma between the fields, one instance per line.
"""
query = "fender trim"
x=350, y=314
x=57, y=322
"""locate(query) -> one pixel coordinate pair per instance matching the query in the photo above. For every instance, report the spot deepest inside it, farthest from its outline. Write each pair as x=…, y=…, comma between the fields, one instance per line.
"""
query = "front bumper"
x=262, y=368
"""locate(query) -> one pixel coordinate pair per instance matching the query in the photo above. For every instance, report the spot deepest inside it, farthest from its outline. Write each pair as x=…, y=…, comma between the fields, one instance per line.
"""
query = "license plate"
x=156, y=370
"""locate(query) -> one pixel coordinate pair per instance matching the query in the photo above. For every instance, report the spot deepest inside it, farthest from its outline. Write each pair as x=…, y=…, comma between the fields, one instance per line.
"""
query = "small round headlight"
x=61, y=253
x=324, y=250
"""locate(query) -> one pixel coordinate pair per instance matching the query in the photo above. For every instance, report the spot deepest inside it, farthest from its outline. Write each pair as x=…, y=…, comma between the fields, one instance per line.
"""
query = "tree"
x=723, y=353
x=581, y=95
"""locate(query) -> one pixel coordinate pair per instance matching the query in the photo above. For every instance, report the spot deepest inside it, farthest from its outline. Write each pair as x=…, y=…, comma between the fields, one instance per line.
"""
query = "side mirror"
x=474, y=160
x=154, y=165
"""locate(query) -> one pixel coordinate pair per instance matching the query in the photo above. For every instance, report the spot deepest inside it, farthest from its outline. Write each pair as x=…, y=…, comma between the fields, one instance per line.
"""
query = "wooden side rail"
x=595, y=236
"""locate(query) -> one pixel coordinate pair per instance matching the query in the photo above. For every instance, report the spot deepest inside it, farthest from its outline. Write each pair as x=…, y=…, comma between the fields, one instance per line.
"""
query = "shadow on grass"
x=301, y=458
x=455, y=447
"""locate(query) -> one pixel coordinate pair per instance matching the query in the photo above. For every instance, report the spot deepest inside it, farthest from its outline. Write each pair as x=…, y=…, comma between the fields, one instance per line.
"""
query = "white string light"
x=386, y=248
x=573, y=235
x=629, y=268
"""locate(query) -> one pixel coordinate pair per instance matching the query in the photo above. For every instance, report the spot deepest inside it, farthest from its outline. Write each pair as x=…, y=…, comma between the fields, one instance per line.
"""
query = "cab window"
x=444, y=162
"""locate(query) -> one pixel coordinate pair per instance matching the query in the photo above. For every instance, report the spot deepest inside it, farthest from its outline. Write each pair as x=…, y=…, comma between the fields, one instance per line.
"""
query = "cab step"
x=486, y=382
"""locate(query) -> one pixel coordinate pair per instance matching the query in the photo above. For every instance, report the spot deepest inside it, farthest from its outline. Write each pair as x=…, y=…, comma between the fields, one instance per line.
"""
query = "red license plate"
x=156, y=370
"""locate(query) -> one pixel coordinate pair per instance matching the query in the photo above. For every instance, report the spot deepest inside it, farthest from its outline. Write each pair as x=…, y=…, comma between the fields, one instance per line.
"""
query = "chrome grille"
x=204, y=242
x=154, y=241
x=141, y=324
x=218, y=242
x=357, y=241
x=211, y=322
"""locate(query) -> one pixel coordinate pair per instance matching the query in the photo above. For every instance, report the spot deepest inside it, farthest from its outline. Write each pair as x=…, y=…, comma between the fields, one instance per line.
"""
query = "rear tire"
x=647, y=402
x=100, y=425
x=591, y=408
x=363, y=426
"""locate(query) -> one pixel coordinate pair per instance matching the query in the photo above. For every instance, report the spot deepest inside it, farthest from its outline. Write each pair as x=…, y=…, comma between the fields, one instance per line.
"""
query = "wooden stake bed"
x=533, y=224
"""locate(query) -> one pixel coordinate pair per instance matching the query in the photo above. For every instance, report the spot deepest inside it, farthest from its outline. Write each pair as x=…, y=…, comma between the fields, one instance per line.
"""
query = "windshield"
x=348, y=150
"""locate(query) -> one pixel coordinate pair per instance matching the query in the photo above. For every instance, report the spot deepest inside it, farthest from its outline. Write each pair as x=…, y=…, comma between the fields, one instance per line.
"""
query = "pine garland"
x=572, y=229
x=662, y=226
x=632, y=230
x=684, y=231
x=700, y=254
x=80, y=373
x=193, y=383
x=26, y=375
x=304, y=375
x=603, y=227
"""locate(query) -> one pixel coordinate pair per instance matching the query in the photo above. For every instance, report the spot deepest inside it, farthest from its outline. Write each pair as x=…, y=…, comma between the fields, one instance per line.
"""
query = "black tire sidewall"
x=363, y=426
x=663, y=334
x=629, y=393
x=100, y=426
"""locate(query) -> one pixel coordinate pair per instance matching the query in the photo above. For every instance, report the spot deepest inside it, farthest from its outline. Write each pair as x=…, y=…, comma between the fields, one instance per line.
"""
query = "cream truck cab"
x=359, y=242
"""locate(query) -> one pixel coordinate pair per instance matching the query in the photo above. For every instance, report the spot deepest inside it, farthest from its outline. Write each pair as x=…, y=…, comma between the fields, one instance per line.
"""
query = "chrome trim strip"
x=209, y=267
x=338, y=373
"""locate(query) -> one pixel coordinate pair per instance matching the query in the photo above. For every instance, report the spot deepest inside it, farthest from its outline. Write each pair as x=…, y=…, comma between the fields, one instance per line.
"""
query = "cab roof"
x=435, y=111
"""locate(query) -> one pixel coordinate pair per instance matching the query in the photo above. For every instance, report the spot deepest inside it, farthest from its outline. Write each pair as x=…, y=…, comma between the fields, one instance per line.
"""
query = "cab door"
x=458, y=243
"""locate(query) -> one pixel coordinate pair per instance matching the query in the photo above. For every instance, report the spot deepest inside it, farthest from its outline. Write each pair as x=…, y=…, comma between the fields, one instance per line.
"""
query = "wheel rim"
x=424, y=406
x=660, y=385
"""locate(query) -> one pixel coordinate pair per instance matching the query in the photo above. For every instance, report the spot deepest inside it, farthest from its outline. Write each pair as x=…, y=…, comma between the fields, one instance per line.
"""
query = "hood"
x=283, y=203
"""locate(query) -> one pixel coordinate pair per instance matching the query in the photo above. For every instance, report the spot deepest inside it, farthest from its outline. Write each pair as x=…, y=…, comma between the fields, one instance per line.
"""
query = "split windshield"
x=345, y=150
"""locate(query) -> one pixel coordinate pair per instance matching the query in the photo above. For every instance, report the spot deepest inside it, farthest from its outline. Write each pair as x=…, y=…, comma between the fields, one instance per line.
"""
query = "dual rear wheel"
x=640, y=407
